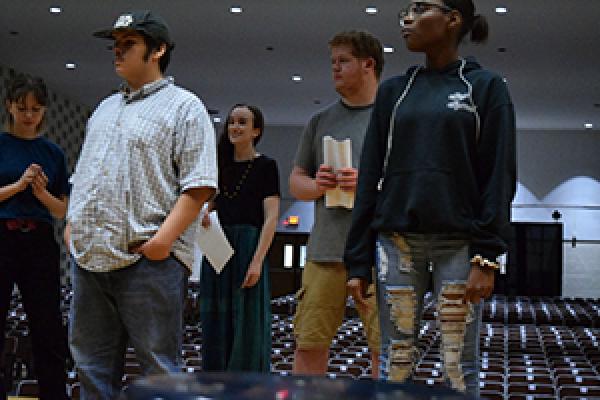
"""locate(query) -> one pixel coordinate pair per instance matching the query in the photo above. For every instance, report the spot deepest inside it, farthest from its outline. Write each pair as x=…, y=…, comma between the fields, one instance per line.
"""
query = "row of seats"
x=518, y=360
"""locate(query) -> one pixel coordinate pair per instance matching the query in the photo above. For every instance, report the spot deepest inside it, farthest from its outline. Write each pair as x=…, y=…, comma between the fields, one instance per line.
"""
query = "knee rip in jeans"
x=406, y=264
x=453, y=316
x=402, y=301
x=400, y=359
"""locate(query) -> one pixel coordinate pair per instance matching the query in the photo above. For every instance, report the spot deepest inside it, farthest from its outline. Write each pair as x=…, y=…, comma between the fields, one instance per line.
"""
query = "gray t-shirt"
x=331, y=225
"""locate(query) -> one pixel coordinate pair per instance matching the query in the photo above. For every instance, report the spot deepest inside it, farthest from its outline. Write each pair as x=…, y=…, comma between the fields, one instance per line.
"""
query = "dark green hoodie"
x=448, y=166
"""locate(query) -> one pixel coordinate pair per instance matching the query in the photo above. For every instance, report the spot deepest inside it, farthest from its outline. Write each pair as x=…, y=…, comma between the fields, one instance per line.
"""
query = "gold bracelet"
x=484, y=263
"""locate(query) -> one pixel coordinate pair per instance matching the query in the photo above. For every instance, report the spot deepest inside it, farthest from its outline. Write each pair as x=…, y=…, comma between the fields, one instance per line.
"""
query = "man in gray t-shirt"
x=357, y=62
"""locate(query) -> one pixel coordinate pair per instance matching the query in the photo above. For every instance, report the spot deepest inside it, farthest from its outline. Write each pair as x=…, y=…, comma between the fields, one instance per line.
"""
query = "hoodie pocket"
x=426, y=200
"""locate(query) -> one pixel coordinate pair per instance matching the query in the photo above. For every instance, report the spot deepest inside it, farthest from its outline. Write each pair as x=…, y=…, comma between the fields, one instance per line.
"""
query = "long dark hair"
x=18, y=89
x=475, y=23
x=225, y=147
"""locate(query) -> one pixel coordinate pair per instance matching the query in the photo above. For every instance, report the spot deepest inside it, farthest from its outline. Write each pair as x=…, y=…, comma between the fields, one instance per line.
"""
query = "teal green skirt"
x=236, y=322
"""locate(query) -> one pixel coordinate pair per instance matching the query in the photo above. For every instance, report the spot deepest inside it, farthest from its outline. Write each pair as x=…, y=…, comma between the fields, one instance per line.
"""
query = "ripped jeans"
x=403, y=273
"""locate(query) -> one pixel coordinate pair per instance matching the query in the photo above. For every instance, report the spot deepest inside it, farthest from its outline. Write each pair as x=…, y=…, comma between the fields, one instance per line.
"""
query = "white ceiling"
x=552, y=62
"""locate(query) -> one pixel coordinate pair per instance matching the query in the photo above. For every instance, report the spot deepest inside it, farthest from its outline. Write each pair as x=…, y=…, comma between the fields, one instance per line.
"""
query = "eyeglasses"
x=418, y=8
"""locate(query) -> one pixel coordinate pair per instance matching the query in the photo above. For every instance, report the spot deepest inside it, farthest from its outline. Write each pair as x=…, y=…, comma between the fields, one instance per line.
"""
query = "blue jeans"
x=404, y=263
x=141, y=304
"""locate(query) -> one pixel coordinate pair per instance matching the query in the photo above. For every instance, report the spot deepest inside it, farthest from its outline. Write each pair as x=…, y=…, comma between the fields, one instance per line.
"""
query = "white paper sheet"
x=338, y=154
x=214, y=244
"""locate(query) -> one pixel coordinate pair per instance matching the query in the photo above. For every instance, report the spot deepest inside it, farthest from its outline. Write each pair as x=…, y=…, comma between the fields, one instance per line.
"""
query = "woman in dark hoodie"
x=437, y=176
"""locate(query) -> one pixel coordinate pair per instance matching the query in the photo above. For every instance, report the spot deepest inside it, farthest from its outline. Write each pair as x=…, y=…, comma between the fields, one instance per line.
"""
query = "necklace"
x=233, y=194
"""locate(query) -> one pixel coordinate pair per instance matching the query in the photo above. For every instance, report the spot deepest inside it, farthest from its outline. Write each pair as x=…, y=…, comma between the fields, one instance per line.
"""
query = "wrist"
x=256, y=263
x=160, y=241
x=19, y=186
x=42, y=194
x=319, y=190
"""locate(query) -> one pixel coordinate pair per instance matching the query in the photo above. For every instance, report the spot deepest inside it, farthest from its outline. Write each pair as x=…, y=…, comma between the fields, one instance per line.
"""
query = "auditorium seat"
x=74, y=391
x=579, y=391
x=134, y=369
x=531, y=389
x=27, y=388
x=491, y=395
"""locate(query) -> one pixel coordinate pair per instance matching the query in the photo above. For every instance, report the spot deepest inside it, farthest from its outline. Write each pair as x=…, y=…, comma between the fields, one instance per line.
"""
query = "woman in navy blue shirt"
x=33, y=192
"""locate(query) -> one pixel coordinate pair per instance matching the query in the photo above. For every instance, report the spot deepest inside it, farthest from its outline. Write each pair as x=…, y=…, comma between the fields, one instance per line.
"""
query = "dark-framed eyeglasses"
x=418, y=8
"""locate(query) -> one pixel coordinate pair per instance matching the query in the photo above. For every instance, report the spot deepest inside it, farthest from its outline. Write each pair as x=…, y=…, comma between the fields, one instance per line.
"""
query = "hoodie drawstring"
x=391, y=130
x=473, y=106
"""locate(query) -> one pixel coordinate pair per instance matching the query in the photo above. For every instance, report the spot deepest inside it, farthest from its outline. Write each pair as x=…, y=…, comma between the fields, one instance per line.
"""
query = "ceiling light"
x=70, y=65
x=388, y=49
x=55, y=10
x=501, y=10
x=505, y=80
x=217, y=120
x=371, y=10
x=296, y=78
x=235, y=10
x=588, y=125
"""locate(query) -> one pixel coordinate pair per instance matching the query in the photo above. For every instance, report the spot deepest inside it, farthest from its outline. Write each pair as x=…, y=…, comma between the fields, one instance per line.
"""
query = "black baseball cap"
x=143, y=21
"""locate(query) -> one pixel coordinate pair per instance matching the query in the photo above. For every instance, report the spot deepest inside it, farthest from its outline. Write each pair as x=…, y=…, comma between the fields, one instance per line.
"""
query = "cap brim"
x=109, y=33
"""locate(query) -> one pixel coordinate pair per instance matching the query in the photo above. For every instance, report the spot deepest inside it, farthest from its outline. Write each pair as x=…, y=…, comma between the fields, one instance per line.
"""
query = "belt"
x=22, y=225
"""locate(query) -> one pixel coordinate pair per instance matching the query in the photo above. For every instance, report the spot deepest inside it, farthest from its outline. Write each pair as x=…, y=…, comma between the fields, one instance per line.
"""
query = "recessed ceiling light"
x=217, y=119
x=296, y=78
x=235, y=10
x=388, y=49
x=501, y=10
x=588, y=125
x=371, y=10
x=55, y=10
x=70, y=66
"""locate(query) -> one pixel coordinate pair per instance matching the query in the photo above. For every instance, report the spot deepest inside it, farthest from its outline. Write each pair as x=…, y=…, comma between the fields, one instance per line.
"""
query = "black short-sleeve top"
x=243, y=185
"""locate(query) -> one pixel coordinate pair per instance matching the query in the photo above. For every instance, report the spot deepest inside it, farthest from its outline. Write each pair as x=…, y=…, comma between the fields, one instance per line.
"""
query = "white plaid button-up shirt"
x=142, y=150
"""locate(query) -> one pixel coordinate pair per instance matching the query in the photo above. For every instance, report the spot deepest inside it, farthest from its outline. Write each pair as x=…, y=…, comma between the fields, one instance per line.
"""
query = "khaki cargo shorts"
x=322, y=304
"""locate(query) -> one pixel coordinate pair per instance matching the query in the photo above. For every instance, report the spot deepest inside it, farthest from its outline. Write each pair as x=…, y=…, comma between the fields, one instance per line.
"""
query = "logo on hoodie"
x=460, y=101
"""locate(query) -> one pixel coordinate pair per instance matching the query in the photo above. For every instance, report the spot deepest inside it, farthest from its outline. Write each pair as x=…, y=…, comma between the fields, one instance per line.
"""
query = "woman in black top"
x=235, y=304
x=33, y=192
x=437, y=177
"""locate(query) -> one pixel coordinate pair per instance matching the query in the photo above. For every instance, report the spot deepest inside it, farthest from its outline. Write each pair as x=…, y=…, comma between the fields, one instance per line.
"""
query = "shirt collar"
x=144, y=91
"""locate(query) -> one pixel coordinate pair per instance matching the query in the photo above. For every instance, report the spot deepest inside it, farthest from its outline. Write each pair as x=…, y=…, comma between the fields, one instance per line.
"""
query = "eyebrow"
x=22, y=102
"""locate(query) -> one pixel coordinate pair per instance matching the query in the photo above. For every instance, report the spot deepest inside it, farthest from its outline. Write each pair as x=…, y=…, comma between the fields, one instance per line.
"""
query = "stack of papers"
x=338, y=154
